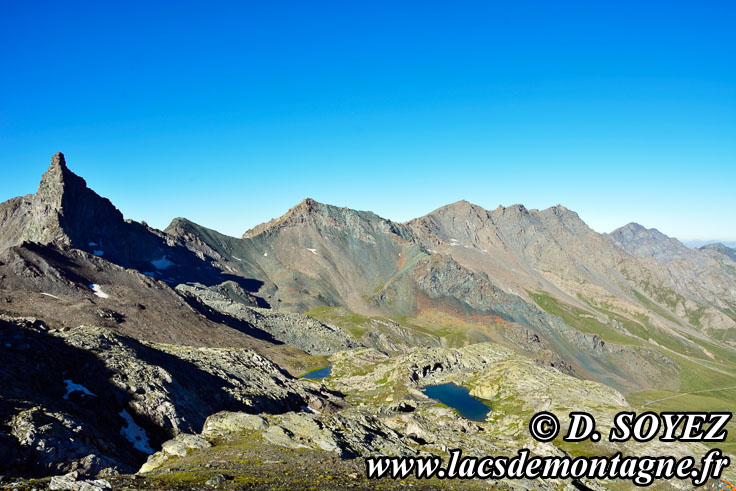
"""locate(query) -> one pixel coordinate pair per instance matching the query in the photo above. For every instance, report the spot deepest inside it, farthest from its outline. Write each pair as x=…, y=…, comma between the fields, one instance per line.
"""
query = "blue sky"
x=229, y=113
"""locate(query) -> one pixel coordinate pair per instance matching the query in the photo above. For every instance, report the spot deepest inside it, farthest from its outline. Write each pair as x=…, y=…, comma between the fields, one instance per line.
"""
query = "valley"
x=287, y=355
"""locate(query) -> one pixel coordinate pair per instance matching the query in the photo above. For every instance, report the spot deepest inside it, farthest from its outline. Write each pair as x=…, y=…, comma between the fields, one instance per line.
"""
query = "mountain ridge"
x=497, y=300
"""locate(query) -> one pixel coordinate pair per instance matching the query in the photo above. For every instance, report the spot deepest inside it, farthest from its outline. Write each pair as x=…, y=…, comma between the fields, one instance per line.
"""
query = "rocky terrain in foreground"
x=145, y=359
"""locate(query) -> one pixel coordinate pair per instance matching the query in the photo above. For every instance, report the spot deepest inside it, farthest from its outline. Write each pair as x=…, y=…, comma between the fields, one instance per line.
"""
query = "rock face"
x=649, y=242
x=730, y=252
x=293, y=329
x=71, y=482
x=89, y=399
x=349, y=434
x=63, y=210
x=66, y=213
x=56, y=285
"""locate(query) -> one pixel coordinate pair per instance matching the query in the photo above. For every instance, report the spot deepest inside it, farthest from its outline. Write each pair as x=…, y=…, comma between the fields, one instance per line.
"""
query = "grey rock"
x=71, y=482
x=165, y=389
x=293, y=329
x=183, y=443
x=215, y=481
x=227, y=423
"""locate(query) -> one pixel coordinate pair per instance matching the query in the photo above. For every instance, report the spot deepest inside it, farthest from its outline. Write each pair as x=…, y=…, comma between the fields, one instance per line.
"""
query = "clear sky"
x=229, y=113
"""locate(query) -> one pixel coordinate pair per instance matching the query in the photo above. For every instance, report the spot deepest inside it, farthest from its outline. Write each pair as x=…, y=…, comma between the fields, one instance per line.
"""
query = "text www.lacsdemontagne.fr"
x=642, y=471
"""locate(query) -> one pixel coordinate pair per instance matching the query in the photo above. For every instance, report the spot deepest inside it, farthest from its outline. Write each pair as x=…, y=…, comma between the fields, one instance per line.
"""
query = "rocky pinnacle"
x=58, y=160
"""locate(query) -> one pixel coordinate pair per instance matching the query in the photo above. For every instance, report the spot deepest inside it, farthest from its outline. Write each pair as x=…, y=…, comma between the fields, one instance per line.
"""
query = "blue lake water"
x=458, y=398
x=319, y=374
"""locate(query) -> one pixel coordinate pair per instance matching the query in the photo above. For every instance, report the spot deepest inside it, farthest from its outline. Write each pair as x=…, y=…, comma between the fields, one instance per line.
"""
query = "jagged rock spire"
x=58, y=181
x=58, y=160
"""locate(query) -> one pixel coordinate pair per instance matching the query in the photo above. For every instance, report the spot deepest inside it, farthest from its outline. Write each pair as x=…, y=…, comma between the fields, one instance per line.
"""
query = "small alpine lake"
x=319, y=374
x=459, y=398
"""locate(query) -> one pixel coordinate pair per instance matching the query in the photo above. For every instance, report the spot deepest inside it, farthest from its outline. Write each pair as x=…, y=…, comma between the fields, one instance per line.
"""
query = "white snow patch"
x=238, y=259
x=162, y=263
x=92, y=244
x=313, y=251
x=135, y=434
x=50, y=295
x=98, y=291
x=98, y=252
x=72, y=387
x=265, y=253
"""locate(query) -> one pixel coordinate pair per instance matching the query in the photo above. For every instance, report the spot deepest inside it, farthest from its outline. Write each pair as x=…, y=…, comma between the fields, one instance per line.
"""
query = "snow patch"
x=98, y=291
x=135, y=434
x=162, y=263
x=238, y=259
x=98, y=252
x=313, y=251
x=71, y=387
x=265, y=253
x=50, y=295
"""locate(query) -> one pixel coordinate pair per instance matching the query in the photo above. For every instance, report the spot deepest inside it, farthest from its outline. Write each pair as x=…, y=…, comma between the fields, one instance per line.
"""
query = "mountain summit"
x=65, y=212
x=642, y=242
x=522, y=306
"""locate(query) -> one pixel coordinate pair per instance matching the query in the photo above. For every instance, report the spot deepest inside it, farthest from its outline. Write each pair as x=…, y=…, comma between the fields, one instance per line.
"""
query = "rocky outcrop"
x=649, y=242
x=71, y=482
x=66, y=213
x=88, y=399
x=293, y=329
x=729, y=252
x=349, y=434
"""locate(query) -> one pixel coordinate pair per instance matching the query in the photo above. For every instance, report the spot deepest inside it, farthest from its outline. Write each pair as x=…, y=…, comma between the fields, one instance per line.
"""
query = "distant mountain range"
x=635, y=310
x=696, y=244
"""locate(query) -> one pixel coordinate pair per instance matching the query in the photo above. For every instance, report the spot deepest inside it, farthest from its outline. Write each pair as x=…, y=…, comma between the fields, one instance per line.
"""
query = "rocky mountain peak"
x=722, y=248
x=63, y=211
x=305, y=206
x=636, y=232
x=458, y=209
x=58, y=183
x=649, y=242
x=299, y=213
x=58, y=160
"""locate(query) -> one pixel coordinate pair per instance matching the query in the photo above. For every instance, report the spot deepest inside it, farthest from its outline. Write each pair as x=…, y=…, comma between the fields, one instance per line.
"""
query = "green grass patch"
x=663, y=400
x=582, y=320
x=646, y=302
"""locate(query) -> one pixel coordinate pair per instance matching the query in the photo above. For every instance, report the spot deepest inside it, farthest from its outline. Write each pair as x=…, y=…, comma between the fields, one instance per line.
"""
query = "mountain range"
x=165, y=330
